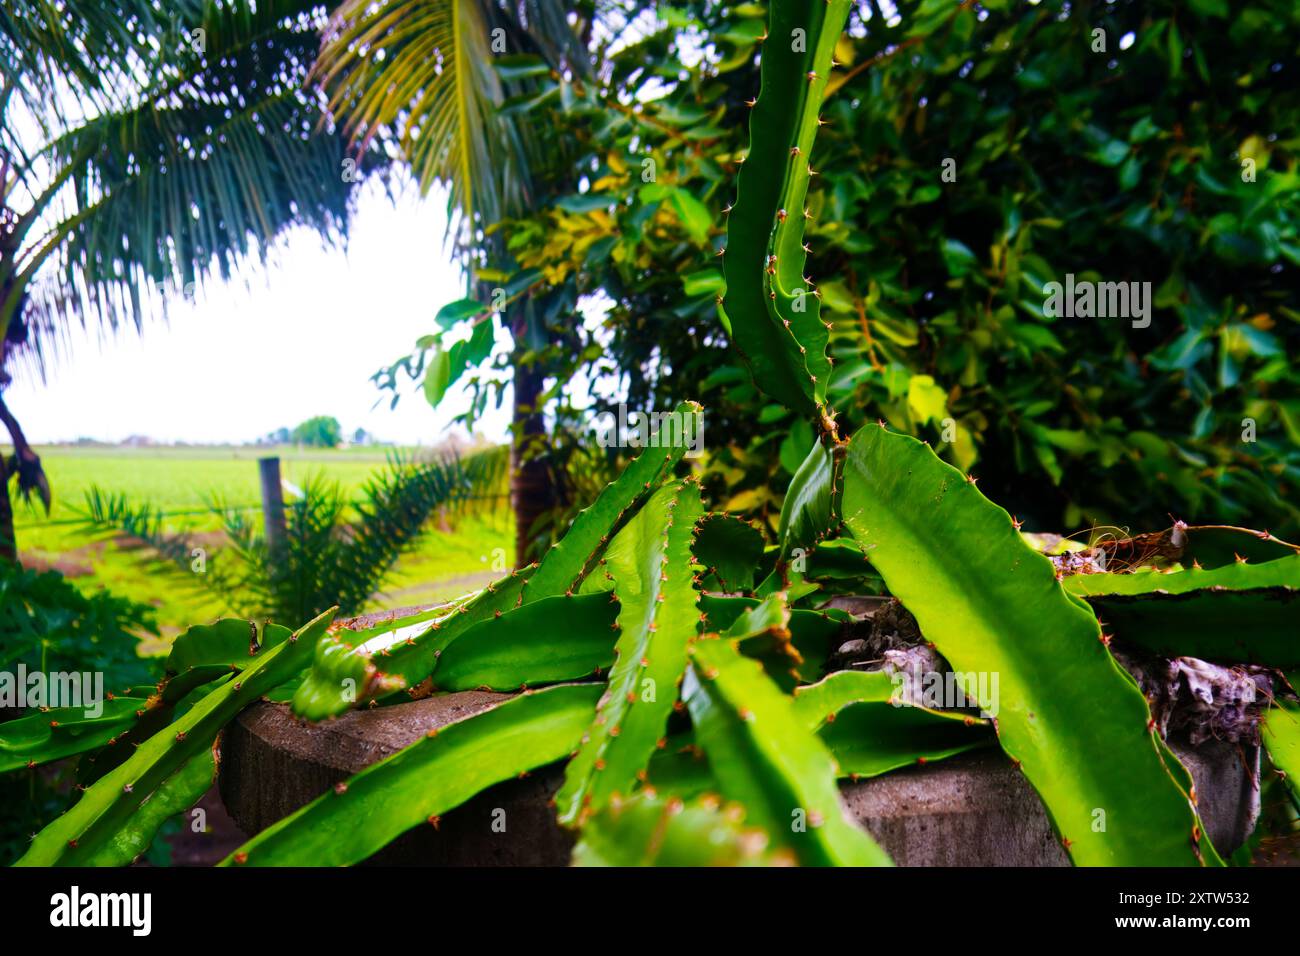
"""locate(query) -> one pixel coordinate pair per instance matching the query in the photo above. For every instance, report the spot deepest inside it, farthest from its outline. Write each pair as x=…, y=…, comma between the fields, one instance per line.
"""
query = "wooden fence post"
x=272, y=501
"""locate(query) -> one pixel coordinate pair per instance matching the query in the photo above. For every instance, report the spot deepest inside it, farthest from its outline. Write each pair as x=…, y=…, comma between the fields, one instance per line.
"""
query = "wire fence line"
x=208, y=511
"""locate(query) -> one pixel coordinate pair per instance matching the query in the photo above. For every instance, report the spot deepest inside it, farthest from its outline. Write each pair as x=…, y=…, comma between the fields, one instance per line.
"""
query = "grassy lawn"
x=455, y=556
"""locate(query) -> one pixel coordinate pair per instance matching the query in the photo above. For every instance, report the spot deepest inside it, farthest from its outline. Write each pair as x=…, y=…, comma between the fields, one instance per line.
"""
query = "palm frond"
x=220, y=153
x=423, y=70
x=82, y=45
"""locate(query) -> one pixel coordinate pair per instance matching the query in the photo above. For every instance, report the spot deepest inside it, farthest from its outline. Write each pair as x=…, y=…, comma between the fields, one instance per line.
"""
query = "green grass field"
x=455, y=556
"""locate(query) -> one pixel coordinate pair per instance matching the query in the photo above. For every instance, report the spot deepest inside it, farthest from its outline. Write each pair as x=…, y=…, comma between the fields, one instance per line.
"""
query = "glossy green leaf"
x=457, y=311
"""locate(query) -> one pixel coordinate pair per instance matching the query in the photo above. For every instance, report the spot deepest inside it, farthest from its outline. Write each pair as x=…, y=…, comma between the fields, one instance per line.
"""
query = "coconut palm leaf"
x=425, y=72
x=87, y=45
x=215, y=156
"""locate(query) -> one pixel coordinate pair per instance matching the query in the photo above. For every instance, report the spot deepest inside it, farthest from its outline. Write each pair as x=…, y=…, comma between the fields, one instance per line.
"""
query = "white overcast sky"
x=302, y=339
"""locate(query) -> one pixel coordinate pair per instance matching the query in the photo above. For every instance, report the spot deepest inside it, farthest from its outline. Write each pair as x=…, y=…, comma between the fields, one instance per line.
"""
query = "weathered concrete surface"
x=972, y=810
x=272, y=764
x=978, y=810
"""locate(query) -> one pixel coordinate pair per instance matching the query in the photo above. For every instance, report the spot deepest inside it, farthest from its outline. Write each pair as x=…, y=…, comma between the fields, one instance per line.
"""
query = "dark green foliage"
x=1123, y=165
x=1116, y=166
x=47, y=624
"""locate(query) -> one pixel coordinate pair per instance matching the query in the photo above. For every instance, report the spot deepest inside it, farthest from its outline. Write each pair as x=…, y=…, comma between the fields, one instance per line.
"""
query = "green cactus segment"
x=1281, y=737
x=338, y=677
x=551, y=640
x=407, y=662
x=729, y=549
x=1283, y=574
x=763, y=633
x=64, y=732
x=1213, y=546
x=1073, y=719
x=571, y=559
x=421, y=782
x=664, y=831
x=208, y=651
x=351, y=667
x=861, y=717
x=343, y=674
x=228, y=644
x=650, y=560
x=812, y=634
x=764, y=757
x=103, y=825
x=680, y=769
x=810, y=510
x=1200, y=613
x=773, y=314
x=178, y=792
x=840, y=560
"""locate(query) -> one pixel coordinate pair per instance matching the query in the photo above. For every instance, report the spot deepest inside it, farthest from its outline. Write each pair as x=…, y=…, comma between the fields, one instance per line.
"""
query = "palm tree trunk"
x=8, y=541
x=532, y=488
